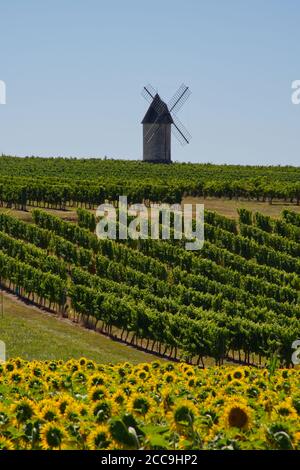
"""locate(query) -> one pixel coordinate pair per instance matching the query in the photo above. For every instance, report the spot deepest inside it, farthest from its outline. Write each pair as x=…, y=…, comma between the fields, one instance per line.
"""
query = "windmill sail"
x=148, y=93
x=180, y=132
x=180, y=97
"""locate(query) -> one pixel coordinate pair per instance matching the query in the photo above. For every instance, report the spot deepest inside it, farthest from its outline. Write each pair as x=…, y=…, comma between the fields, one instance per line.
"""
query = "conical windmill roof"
x=152, y=115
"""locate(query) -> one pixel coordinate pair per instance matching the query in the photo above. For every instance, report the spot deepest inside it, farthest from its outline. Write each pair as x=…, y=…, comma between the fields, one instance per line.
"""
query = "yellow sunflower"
x=74, y=411
x=24, y=410
x=49, y=412
x=6, y=444
x=237, y=414
x=169, y=377
x=119, y=397
x=79, y=377
x=142, y=375
x=103, y=410
x=52, y=435
x=296, y=440
x=167, y=399
x=97, y=379
x=99, y=438
x=139, y=404
x=64, y=401
x=183, y=415
x=97, y=393
x=238, y=373
x=286, y=410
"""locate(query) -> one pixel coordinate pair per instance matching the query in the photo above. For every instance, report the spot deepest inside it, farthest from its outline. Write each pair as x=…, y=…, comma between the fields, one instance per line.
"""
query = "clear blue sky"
x=74, y=70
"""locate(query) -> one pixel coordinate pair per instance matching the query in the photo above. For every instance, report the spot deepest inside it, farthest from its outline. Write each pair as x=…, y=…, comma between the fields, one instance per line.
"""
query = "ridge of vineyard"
x=238, y=298
x=62, y=182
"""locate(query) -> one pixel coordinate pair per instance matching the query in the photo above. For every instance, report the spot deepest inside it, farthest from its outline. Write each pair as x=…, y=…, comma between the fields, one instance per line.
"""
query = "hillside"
x=35, y=334
x=238, y=298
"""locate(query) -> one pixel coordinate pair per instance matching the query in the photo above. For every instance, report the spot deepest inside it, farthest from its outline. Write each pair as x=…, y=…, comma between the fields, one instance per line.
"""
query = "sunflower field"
x=79, y=404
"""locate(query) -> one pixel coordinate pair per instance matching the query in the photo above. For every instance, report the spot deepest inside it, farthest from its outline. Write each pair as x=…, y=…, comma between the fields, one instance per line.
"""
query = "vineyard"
x=237, y=299
x=59, y=183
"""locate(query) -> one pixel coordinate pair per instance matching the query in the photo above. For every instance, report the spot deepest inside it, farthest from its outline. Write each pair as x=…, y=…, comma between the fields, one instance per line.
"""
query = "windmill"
x=159, y=121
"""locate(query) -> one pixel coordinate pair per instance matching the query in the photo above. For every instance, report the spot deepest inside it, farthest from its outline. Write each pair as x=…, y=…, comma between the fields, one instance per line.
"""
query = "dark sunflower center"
x=238, y=418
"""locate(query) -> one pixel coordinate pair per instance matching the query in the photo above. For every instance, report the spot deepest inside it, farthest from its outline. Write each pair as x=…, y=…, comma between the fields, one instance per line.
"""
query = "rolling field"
x=33, y=334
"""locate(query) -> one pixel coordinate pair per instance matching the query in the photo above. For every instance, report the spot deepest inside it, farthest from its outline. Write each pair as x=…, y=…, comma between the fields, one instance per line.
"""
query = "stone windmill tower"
x=159, y=121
